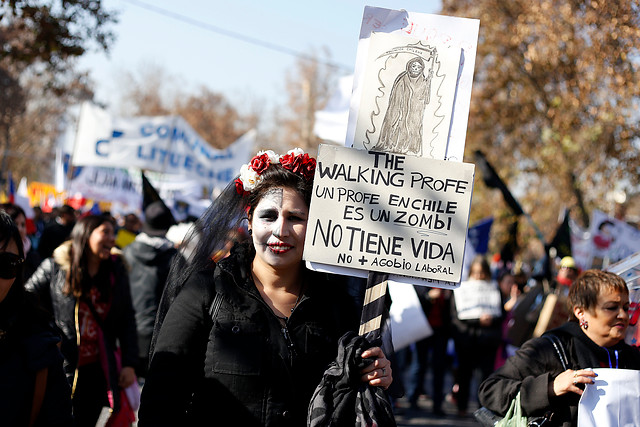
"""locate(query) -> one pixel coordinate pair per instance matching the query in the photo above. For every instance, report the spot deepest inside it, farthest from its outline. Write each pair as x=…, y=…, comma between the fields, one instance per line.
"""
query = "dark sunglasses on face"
x=9, y=265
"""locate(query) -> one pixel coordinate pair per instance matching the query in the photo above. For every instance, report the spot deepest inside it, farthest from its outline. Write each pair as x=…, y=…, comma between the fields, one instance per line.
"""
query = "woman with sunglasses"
x=32, y=258
x=33, y=387
x=86, y=287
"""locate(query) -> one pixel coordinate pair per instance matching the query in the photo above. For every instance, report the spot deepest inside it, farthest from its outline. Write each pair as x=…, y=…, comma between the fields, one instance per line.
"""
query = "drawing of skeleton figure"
x=401, y=130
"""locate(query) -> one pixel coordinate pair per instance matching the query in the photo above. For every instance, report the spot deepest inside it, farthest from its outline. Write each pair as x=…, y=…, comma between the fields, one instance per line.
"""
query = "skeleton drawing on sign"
x=401, y=130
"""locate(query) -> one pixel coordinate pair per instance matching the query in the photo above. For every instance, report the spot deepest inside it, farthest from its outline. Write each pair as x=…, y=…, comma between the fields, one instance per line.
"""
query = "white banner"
x=165, y=144
x=107, y=184
x=477, y=297
x=612, y=400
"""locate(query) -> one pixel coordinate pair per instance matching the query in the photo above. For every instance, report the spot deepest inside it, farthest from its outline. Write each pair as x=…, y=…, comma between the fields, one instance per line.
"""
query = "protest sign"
x=612, y=400
x=165, y=144
x=445, y=33
x=629, y=270
x=474, y=298
x=390, y=213
x=408, y=321
x=611, y=240
x=408, y=104
x=106, y=184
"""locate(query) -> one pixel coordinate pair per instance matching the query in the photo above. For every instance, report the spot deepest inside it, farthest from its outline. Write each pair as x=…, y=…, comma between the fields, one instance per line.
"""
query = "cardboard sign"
x=454, y=33
x=477, y=297
x=396, y=214
x=408, y=105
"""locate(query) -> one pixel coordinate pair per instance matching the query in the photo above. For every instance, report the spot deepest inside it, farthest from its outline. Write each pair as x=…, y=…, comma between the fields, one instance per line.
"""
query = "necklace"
x=285, y=319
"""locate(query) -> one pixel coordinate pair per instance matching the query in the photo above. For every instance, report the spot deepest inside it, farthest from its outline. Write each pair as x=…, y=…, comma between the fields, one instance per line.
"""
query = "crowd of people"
x=92, y=309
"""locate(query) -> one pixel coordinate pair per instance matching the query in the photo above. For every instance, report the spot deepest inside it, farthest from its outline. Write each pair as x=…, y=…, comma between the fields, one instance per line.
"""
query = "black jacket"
x=536, y=364
x=28, y=345
x=149, y=259
x=242, y=370
x=47, y=283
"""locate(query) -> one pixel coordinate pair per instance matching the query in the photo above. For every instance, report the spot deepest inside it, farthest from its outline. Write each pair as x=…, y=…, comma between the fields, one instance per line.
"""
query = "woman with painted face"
x=246, y=340
x=593, y=338
x=86, y=288
x=33, y=388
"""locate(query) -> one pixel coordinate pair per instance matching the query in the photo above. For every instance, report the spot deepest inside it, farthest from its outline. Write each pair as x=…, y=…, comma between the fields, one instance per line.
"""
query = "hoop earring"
x=250, y=232
x=584, y=324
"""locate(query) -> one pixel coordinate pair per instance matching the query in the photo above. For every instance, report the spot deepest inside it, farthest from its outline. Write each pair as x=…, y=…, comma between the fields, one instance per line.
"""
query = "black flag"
x=150, y=195
x=562, y=239
x=510, y=248
x=492, y=180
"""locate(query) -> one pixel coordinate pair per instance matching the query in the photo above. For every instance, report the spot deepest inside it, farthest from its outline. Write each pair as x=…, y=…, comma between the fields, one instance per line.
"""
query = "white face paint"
x=278, y=225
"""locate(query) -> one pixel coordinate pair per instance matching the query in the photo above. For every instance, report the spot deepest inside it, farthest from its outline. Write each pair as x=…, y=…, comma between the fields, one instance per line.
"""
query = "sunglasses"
x=9, y=264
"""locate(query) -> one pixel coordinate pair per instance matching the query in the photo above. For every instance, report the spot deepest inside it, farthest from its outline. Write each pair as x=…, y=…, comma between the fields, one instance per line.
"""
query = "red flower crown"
x=296, y=160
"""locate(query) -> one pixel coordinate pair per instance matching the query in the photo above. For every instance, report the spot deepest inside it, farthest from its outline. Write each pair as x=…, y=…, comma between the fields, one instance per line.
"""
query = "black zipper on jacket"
x=290, y=346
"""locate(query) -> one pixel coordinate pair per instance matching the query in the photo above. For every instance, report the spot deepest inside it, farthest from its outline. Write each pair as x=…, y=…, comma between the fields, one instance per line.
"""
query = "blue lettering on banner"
x=146, y=130
x=98, y=144
x=163, y=131
x=188, y=163
x=141, y=154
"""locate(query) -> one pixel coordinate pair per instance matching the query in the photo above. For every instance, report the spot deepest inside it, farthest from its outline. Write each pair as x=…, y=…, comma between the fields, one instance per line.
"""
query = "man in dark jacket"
x=149, y=257
x=57, y=232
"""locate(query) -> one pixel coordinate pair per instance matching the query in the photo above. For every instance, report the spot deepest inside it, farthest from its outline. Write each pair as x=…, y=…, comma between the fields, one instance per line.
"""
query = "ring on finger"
x=575, y=374
x=575, y=381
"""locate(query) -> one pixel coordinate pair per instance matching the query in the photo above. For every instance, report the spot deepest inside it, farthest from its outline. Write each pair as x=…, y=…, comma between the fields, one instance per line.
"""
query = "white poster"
x=611, y=240
x=165, y=144
x=408, y=321
x=456, y=34
x=477, y=297
x=407, y=105
x=391, y=213
x=612, y=401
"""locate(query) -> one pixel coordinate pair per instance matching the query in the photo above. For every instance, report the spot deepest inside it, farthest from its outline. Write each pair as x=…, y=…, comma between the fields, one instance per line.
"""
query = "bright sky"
x=188, y=40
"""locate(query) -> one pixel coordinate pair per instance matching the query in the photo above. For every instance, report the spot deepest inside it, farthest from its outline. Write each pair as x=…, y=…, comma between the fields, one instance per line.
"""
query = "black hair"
x=13, y=210
x=79, y=252
x=9, y=233
x=219, y=223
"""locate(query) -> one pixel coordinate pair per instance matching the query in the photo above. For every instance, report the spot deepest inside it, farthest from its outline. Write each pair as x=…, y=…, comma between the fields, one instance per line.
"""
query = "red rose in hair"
x=308, y=167
x=286, y=161
x=239, y=186
x=260, y=163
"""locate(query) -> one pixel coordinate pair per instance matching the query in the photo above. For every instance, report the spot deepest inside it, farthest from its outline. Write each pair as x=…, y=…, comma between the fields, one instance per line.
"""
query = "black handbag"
x=488, y=418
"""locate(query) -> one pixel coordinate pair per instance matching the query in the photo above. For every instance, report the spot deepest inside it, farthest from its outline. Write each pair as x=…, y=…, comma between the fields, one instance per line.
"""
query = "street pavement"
x=423, y=416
